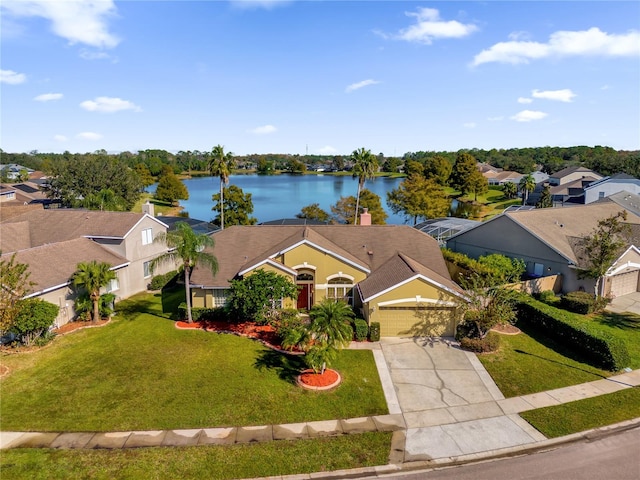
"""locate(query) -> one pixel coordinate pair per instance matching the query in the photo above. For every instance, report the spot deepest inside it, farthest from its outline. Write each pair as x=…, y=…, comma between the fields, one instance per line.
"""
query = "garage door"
x=402, y=321
x=624, y=284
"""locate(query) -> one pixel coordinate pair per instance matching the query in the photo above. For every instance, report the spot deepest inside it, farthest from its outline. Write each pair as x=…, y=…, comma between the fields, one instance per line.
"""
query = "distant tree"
x=314, y=212
x=502, y=269
x=392, y=165
x=23, y=175
x=170, y=188
x=416, y=197
x=144, y=175
x=603, y=246
x=365, y=166
x=187, y=247
x=14, y=284
x=478, y=184
x=526, y=185
x=343, y=210
x=337, y=163
x=510, y=189
x=438, y=168
x=265, y=167
x=237, y=208
x=413, y=167
x=295, y=166
x=464, y=173
x=221, y=165
x=92, y=276
x=546, y=201
x=105, y=199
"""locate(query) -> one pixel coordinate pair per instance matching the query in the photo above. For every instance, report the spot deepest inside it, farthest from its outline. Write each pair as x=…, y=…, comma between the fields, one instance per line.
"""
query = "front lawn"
x=141, y=373
x=625, y=326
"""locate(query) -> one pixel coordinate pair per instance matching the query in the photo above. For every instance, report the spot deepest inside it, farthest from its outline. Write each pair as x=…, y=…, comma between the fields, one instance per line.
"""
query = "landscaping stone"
x=108, y=440
x=145, y=439
x=324, y=428
x=182, y=438
x=358, y=425
x=254, y=434
x=217, y=436
x=72, y=440
x=290, y=431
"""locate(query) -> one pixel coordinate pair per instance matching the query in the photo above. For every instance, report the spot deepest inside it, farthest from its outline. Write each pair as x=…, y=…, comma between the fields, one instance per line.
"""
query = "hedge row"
x=200, y=313
x=583, y=303
x=159, y=281
x=600, y=348
x=360, y=330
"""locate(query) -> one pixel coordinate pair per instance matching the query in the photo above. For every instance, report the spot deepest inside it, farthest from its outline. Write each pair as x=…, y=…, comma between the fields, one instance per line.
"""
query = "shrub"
x=548, y=296
x=361, y=329
x=374, y=332
x=578, y=302
x=599, y=348
x=212, y=314
x=34, y=319
x=84, y=306
x=490, y=343
x=159, y=281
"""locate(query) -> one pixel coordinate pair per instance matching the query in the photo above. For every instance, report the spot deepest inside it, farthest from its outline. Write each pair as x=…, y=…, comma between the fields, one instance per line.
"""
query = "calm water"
x=283, y=196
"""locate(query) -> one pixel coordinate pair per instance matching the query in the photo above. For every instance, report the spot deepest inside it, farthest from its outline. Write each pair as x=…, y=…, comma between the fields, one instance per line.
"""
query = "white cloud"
x=524, y=100
x=470, y=125
x=359, y=85
x=264, y=130
x=11, y=77
x=47, y=97
x=60, y=138
x=109, y=105
x=429, y=27
x=89, y=136
x=528, y=116
x=79, y=21
x=564, y=95
x=561, y=44
x=327, y=150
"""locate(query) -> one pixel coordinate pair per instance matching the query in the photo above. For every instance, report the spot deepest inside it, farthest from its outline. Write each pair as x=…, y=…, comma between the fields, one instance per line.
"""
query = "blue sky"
x=318, y=77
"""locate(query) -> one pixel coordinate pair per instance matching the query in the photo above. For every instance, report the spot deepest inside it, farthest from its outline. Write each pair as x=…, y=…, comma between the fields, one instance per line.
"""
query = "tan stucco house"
x=393, y=274
x=53, y=242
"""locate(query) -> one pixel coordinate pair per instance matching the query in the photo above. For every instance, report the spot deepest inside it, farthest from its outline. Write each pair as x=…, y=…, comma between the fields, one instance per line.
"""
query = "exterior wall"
x=537, y=285
x=571, y=177
x=610, y=187
x=65, y=298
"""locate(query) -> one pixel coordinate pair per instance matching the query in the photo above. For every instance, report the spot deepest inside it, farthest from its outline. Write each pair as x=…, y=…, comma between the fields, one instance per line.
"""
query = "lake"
x=283, y=196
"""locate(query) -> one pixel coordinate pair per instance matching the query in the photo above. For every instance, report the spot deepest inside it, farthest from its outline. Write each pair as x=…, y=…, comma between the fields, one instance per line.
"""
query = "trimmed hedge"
x=159, y=281
x=374, y=332
x=599, y=348
x=488, y=344
x=360, y=329
x=578, y=302
x=199, y=313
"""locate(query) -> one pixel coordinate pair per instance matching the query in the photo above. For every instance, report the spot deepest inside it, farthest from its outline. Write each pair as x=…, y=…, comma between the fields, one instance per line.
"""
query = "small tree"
x=526, y=185
x=92, y=276
x=502, y=269
x=365, y=166
x=14, y=284
x=603, y=246
x=238, y=207
x=170, y=188
x=546, y=201
x=343, y=210
x=34, y=319
x=259, y=295
x=416, y=197
x=221, y=165
x=314, y=212
x=510, y=189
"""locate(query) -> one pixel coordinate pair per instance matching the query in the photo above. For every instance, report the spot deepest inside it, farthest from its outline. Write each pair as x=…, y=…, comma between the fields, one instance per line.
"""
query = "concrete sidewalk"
x=443, y=406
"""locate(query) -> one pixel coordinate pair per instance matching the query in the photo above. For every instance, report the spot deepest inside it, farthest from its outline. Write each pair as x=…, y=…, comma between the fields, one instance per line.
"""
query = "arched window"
x=340, y=288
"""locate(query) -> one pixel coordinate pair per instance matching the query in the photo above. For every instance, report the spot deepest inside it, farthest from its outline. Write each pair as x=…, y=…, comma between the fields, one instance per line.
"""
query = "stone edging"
x=327, y=387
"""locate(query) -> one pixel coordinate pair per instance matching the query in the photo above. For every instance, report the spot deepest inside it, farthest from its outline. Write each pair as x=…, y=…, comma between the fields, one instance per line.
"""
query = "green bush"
x=361, y=329
x=374, y=331
x=548, y=296
x=159, y=281
x=599, y=348
x=212, y=314
x=490, y=343
x=578, y=302
x=34, y=319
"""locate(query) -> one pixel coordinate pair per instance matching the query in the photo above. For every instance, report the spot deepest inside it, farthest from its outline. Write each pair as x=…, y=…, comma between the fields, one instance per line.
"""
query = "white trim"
x=277, y=265
x=417, y=299
x=305, y=265
x=47, y=290
x=144, y=215
x=340, y=275
x=417, y=276
x=322, y=249
x=613, y=271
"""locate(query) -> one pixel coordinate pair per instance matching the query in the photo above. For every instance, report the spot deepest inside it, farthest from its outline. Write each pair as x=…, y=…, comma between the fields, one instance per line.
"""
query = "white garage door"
x=402, y=321
x=624, y=284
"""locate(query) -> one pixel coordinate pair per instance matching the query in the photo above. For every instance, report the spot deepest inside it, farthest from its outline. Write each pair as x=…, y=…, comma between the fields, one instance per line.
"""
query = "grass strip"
x=581, y=415
x=215, y=462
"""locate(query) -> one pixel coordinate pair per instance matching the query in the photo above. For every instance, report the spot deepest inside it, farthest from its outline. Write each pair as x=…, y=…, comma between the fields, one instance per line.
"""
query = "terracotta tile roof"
x=59, y=225
x=52, y=265
x=370, y=246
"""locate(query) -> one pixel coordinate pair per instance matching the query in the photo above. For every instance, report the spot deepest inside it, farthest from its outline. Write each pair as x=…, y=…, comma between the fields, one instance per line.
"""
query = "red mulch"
x=311, y=379
x=71, y=326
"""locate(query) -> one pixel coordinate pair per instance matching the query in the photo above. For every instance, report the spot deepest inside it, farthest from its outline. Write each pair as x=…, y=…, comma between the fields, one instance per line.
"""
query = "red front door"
x=303, y=296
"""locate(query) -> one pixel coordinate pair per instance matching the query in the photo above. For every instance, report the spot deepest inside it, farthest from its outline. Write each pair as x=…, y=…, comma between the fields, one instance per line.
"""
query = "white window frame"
x=340, y=291
x=114, y=285
x=147, y=236
x=146, y=269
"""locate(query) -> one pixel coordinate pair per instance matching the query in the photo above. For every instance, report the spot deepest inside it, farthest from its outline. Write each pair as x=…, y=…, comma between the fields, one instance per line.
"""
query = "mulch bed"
x=73, y=326
x=319, y=381
x=506, y=329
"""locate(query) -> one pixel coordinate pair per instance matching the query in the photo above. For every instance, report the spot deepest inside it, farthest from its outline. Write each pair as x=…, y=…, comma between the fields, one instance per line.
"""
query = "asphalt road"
x=612, y=457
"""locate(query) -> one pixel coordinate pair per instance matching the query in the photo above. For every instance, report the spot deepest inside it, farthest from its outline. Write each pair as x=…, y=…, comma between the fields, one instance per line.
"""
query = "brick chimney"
x=148, y=208
x=365, y=217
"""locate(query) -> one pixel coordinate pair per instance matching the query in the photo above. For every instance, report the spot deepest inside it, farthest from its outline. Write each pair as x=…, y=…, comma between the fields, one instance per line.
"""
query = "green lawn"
x=625, y=326
x=222, y=462
x=141, y=373
x=585, y=414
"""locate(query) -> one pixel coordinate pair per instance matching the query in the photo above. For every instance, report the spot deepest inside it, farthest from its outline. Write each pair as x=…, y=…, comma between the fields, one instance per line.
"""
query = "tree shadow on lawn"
x=622, y=321
x=558, y=348
x=132, y=309
x=288, y=367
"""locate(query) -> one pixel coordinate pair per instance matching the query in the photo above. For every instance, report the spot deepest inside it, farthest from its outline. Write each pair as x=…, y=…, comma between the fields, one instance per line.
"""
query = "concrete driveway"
x=626, y=303
x=449, y=402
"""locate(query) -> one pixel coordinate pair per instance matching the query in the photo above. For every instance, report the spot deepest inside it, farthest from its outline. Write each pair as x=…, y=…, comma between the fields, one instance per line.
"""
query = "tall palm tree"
x=329, y=330
x=365, y=165
x=92, y=276
x=221, y=165
x=526, y=185
x=186, y=246
x=510, y=189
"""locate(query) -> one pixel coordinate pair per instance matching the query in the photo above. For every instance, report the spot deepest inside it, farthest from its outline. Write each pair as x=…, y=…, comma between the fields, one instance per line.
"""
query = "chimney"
x=365, y=217
x=148, y=208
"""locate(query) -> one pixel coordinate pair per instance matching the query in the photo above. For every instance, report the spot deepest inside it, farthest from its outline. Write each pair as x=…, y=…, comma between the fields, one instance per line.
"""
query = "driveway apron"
x=449, y=401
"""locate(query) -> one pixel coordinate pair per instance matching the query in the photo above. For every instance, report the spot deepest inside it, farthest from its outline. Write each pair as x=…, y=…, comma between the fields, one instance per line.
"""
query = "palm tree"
x=526, y=185
x=364, y=167
x=329, y=330
x=186, y=246
x=220, y=165
x=92, y=276
x=510, y=189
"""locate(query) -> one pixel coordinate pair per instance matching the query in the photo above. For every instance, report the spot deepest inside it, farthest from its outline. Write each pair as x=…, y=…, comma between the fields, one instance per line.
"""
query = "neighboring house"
x=7, y=193
x=12, y=170
x=498, y=176
x=53, y=242
x=393, y=274
x=549, y=241
x=610, y=185
x=571, y=192
x=23, y=193
x=571, y=174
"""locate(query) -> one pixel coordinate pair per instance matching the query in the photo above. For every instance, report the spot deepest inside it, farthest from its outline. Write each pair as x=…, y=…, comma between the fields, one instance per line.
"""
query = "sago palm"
x=365, y=167
x=329, y=331
x=187, y=247
x=221, y=165
x=92, y=276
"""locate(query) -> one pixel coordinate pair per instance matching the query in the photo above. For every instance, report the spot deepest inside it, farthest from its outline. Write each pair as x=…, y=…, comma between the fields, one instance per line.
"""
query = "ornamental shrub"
x=361, y=329
x=488, y=344
x=34, y=319
x=578, y=302
x=548, y=296
x=212, y=314
x=158, y=282
x=374, y=331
